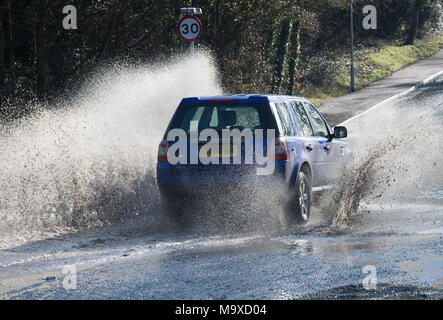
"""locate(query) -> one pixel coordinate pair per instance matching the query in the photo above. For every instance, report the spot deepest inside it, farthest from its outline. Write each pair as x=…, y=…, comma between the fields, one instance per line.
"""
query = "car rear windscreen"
x=223, y=116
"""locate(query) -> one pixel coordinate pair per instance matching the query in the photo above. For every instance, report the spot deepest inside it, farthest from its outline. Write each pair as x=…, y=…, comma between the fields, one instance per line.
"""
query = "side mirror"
x=340, y=132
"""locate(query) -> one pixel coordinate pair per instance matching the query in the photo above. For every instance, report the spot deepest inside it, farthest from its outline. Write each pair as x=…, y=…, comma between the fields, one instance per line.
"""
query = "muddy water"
x=91, y=160
x=395, y=224
x=397, y=157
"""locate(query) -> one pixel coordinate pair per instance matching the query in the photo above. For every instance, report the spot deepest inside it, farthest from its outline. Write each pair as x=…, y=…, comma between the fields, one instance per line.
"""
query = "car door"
x=311, y=145
x=332, y=149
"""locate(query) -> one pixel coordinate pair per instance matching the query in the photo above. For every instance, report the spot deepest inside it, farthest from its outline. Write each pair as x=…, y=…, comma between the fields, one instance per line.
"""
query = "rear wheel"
x=173, y=208
x=300, y=207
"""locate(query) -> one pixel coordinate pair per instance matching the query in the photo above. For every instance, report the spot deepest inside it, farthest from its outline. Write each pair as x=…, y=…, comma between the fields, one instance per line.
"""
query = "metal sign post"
x=189, y=27
x=191, y=48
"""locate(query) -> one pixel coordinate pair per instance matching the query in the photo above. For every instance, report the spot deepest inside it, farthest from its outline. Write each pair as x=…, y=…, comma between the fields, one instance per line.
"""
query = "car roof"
x=242, y=98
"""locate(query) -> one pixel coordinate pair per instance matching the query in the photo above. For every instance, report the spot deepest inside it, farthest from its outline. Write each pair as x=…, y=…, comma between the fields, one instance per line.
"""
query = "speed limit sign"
x=189, y=28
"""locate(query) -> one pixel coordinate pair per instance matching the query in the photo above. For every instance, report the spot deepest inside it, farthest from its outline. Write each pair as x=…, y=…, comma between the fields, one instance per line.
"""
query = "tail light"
x=222, y=101
x=281, y=149
x=163, y=151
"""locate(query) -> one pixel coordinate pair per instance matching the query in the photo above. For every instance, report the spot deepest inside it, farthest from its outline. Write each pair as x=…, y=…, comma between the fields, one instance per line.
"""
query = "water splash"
x=91, y=160
x=397, y=154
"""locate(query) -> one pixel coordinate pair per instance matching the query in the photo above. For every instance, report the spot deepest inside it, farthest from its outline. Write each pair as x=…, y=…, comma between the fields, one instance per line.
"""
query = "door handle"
x=309, y=147
x=327, y=147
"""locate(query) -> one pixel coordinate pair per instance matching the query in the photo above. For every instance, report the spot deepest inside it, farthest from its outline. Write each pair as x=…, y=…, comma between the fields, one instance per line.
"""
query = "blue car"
x=301, y=153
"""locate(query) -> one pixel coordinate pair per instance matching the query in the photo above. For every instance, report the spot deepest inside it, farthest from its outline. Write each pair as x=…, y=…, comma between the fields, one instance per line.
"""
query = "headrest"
x=227, y=118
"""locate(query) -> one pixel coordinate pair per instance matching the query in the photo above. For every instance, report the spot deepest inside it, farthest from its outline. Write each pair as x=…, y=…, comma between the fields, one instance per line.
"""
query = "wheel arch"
x=306, y=169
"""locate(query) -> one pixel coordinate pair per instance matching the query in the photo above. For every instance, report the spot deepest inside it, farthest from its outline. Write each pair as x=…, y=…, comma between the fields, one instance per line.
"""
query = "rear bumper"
x=200, y=184
x=234, y=195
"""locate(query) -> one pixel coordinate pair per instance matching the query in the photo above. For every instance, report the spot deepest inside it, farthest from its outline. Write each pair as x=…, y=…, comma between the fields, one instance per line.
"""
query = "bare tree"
x=40, y=46
x=293, y=56
x=282, y=47
x=2, y=48
x=415, y=21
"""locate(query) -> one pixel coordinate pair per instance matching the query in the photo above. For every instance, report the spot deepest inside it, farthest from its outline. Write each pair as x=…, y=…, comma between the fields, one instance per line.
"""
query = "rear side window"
x=222, y=116
x=285, y=119
x=318, y=124
x=302, y=119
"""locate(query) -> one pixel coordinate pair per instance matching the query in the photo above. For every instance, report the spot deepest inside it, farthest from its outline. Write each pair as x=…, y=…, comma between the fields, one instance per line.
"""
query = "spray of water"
x=397, y=155
x=91, y=160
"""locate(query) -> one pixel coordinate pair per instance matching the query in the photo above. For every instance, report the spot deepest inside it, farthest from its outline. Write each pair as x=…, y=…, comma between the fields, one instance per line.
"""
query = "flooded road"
x=392, y=247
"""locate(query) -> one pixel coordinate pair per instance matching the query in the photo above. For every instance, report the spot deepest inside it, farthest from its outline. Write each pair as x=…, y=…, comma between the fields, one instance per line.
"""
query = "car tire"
x=300, y=206
x=173, y=209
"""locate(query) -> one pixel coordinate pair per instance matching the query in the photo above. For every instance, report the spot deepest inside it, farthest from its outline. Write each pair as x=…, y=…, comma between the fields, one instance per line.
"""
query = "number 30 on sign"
x=189, y=28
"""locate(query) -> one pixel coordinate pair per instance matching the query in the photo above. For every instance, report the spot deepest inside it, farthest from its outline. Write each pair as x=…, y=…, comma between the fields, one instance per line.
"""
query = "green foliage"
x=372, y=63
x=39, y=59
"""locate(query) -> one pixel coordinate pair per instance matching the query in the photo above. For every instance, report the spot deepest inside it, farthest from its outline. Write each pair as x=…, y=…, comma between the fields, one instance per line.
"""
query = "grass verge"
x=373, y=61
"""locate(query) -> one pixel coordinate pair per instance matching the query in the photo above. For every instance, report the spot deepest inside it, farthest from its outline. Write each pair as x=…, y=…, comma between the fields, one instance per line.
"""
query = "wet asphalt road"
x=341, y=108
x=396, y=238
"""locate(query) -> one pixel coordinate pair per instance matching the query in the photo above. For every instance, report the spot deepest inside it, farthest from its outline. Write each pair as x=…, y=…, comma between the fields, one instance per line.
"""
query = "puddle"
x=433, y=195
x=349, y=251
x=335, y=250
